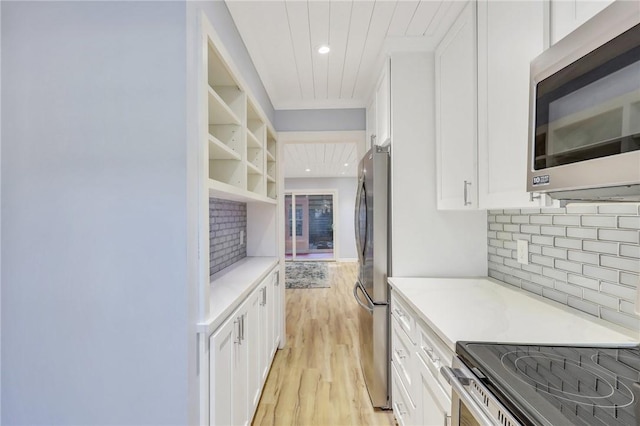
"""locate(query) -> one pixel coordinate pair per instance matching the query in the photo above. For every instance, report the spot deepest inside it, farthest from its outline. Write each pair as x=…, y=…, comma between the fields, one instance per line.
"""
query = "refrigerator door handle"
x=355, y=294
x=360, y=245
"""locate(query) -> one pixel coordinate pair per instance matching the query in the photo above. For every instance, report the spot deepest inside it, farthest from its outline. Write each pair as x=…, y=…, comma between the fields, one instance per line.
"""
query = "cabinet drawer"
x=403, y=407
x=401, y=311
x=433, y=353
x=431, y=388
x=403, y=354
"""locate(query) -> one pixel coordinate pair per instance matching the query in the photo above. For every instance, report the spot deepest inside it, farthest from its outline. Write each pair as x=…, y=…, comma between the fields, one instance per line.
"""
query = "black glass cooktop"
x=560, y=385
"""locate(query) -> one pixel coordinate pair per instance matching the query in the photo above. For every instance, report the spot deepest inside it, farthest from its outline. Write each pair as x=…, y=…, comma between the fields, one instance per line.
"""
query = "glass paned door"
x=311, y=222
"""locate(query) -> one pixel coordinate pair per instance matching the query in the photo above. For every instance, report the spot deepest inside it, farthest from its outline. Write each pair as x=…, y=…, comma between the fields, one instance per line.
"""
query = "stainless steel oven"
x=544, y=385
x=584, y=137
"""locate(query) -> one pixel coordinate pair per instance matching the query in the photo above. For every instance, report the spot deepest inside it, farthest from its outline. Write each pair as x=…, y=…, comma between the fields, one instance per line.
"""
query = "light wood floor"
x=316, y=378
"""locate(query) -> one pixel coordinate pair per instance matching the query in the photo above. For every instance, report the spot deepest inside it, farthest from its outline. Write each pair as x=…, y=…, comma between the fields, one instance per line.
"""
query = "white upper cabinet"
x=510, y=35
x=567, y=15
x=456, y=106
x=379, y=109
x=383, y=105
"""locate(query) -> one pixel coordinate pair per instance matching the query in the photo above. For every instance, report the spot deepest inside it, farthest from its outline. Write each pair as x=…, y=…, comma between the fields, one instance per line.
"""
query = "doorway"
x=310, y=226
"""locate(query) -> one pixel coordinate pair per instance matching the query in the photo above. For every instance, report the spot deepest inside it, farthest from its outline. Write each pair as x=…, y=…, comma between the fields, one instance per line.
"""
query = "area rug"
x=306, y=275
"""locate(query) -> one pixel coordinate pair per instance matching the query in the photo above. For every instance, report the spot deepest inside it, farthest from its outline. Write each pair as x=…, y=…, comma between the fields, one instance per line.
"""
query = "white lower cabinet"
x=241, y=353
x=420, y=395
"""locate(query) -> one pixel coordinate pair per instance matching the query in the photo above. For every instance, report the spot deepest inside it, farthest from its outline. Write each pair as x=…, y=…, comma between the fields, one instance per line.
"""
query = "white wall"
x=346, y=189
x=95, y=301
x=425, y=241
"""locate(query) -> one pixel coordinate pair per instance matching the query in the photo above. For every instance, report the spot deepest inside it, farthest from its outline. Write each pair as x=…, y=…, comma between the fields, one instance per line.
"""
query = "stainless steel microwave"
x=584, y=133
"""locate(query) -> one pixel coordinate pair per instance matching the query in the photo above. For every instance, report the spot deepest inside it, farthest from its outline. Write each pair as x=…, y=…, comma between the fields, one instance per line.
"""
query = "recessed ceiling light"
x=324, y=49
x=307, y=170
x=346, y=164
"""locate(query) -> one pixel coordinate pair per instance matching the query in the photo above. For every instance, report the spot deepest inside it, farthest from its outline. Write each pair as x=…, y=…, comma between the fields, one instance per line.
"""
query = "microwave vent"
x=612, y=193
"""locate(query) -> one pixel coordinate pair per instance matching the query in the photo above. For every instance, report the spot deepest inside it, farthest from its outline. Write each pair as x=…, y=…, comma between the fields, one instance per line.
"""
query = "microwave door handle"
x=455, y=381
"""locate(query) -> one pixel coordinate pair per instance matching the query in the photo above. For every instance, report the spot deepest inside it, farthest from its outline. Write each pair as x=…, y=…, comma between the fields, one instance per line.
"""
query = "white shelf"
x=270, y=179
x=270, y=156
x=219, y=151
x=252, y=169
x=219, y=111
x=225, y=191
x=252, y=140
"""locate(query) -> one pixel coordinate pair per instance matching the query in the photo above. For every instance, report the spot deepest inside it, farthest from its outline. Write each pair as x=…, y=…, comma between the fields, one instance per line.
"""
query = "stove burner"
x=577, y=382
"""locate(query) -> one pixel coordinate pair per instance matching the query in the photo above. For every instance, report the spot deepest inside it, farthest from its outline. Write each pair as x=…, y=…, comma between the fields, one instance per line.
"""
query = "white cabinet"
x=567, y=15
x=510, y=35
x=229, y=359
x=383, y=105
x=241, y=353
x=379, y=109
x=456, y=103
x=420, y=395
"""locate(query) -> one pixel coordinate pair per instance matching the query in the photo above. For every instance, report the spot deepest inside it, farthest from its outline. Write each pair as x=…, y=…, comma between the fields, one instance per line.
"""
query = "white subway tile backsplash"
x=226, y=220
x=579, y=208
x=541, y=220
x=584, y=306
x=601, y=273
x=554, y=252
x=621, y=263
x=555, y=274
x=568, y=266
x=600, y=298
x=625, y=236
x=599, y=221
x=630, y=279
x=583, y=281
x=630, y=251
x=629, y=222
x=585, y=255
x=566, y=220
x=553, y=230
x=584, y=233
x=542, y=240
x=600, y=247
x=623, y=292
x=622, y=208
x=568, y=243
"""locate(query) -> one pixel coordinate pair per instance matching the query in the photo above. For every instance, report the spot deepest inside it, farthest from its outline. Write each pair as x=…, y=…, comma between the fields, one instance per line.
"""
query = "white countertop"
x=480, y=309
x=231, y=286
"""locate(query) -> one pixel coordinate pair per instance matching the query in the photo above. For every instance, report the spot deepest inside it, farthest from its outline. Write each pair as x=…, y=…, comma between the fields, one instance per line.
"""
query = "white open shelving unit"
x=239, y=161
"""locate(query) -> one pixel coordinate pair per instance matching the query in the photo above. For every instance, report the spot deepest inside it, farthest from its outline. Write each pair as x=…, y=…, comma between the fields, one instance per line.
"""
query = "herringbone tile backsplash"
x=586, y=256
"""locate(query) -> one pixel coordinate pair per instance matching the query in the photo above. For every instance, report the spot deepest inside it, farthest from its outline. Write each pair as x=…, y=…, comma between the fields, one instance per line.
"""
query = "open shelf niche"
x=256, y=129
x=271, y=170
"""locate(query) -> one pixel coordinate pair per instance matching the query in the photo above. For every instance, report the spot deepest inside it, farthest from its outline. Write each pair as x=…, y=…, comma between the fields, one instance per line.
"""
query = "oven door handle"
x=456, y=382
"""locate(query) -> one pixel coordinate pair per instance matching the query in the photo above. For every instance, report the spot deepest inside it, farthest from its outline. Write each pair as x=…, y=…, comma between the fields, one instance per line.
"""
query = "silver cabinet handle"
x=239, y=333
x=400, y=353
x=534, y=197
x=242, y=321
x=429, y=351
x=400, y=410
x=399, y=313
x=455, y=381
x=264, y=296
x=373, y=140
x=466, y=193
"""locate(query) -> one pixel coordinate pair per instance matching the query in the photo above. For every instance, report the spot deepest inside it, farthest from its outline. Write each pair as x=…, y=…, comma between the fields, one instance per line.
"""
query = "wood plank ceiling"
x=282, y=37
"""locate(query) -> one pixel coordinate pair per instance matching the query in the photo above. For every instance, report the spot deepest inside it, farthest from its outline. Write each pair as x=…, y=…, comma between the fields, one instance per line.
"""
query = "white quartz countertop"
x=231, y=286
x=470, y=309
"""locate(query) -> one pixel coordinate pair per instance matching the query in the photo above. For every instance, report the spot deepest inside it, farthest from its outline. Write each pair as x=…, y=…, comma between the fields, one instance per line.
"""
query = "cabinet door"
x=456, y=106
x=371, y=122
x=383, y=105
x=241, y=367
x=277, y=311
x=265, y=332
x=254, y=345
x=222, y=381
x=431, y=410
x=510, y=35
x=567, y=15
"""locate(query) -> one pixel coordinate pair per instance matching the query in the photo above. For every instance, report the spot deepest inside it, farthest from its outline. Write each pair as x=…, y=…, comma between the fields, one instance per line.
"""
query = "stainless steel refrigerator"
x=371, y=288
